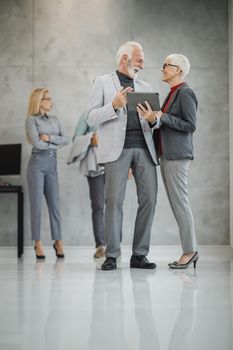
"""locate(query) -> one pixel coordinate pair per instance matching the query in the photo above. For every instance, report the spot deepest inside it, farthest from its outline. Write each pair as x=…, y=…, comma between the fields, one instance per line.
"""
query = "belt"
x=48, y=152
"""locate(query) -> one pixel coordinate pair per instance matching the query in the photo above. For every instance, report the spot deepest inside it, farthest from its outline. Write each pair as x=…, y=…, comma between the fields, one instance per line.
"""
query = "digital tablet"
x=134, y=98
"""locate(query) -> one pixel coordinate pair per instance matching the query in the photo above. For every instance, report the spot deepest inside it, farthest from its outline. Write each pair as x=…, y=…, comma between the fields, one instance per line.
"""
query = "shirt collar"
x=124, y=77
x=43, y=116
x=173, y=89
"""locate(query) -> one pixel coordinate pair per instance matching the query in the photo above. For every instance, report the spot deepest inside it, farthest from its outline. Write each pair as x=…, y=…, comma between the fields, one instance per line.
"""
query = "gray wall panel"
x=64, y=45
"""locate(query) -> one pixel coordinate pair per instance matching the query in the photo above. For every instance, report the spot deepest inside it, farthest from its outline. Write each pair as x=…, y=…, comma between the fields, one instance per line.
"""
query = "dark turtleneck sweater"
x=134, y=137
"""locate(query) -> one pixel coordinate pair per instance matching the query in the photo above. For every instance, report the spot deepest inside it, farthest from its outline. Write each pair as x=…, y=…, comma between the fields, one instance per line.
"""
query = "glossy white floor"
x=73, y=305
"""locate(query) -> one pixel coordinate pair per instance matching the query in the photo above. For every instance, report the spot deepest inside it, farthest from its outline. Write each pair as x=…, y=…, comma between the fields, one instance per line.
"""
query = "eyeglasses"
x=169, y=64
x=47, y=99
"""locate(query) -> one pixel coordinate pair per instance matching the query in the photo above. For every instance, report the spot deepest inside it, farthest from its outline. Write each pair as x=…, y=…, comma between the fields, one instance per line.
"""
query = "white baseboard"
x=163, y=253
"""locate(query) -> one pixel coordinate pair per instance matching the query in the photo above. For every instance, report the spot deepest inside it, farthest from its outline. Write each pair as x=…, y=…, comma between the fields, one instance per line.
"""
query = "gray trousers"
x=43, y=180
x=96, y=191
x=116, y=175
x=175, y=178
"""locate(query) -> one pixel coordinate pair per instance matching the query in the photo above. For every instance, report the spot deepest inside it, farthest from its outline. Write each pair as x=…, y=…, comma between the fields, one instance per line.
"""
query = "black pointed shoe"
x=40, y=257
x=61, y=256
x=141, y=262
x=109, y=264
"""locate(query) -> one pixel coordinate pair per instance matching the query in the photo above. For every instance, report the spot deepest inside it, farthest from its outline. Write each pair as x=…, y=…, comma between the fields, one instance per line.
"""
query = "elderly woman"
x=177, y=123
x=45, y=134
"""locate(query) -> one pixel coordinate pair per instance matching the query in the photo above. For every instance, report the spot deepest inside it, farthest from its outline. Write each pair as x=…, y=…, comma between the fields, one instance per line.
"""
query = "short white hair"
x=127, y=49
x=181, y=61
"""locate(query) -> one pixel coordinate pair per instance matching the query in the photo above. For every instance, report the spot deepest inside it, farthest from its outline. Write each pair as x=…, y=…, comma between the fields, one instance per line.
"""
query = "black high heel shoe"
x=176, y=265
x=39, y=256
x=58, y=255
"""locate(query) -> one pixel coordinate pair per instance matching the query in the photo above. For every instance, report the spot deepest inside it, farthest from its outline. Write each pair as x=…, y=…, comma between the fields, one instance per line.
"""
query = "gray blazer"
x=178, y=124
x=112, y=124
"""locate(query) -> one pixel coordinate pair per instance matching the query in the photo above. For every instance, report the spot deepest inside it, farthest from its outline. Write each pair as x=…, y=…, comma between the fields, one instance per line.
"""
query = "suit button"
x=123, y=128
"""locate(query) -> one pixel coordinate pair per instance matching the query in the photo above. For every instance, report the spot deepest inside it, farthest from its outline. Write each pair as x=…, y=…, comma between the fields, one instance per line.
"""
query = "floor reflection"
x=185, y=322
x=107, y=321
x=53, y=324
x=71, y=304
x=148, y=336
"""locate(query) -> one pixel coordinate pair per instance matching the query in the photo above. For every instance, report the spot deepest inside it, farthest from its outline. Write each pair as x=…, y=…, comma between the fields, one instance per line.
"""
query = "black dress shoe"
x=141, y=262
x=109, y=264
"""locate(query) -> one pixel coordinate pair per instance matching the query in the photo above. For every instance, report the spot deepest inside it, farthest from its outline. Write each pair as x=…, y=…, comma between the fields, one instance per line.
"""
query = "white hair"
x=181, y=61
x=127, y=49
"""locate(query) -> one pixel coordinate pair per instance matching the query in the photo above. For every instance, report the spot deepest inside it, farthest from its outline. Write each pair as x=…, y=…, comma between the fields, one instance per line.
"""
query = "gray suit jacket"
x=178, y=124
x=112, y=124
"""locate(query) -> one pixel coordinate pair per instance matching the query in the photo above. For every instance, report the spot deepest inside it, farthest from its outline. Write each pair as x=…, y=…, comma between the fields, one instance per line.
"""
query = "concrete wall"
x=230, y=28
x=65, y=44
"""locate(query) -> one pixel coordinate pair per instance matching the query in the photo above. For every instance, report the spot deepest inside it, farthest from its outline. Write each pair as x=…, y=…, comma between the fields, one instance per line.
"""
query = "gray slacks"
x=96, y=191
x=116, y=175
x=175, y=179
x=43, y=180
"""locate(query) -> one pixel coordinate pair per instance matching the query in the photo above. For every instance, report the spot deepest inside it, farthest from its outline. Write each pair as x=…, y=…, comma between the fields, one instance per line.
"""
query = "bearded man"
x=125, y=141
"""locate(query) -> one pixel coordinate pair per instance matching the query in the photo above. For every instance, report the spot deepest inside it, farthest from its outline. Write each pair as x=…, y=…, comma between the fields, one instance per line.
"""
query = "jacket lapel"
x=136, y=85
x=117, y=84
x=116, y=81
x=173, y=97
x=165, y=101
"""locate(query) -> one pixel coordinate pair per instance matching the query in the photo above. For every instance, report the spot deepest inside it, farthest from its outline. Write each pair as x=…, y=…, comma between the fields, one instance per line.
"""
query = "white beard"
x=132, y=71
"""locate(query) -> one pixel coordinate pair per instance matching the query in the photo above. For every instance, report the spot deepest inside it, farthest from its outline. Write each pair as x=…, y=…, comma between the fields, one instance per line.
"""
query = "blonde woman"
x=45, y=134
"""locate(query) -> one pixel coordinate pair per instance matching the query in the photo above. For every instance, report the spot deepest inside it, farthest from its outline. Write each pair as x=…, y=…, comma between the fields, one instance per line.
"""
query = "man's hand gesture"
x=120, y=99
